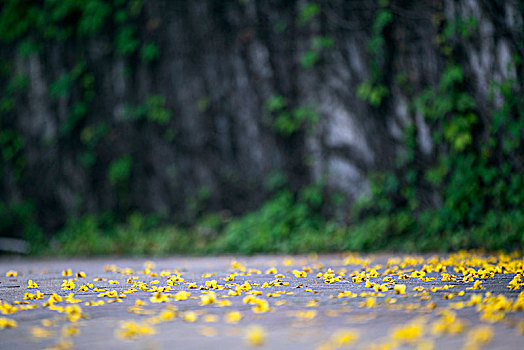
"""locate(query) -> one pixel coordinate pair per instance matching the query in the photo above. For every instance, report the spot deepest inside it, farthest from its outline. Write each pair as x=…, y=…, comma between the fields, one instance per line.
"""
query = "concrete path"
x=268, y=302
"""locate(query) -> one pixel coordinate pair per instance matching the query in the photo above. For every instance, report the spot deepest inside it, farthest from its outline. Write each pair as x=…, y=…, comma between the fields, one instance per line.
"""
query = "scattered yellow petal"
x=7, y=323
x=208, y=298
x=312, y=303
x=344, y=337
x=400, y=289
x=70, y=331
x=31, y=284
x=159, y=298
x=189, y=316
x=39, y=332
x=407, y=333
x=477, y=337
x=210, y=318
x=132, y=330
x=233, y=317
x=255, y=335
x=299, y=274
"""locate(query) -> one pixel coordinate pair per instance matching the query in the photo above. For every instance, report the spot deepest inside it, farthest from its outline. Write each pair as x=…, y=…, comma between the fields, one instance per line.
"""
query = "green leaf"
x=60, y=88
x=120, y=169
x=149, y=52
x=309, y=59
x=126, y=42
x=275, y=103
x=156, y=111
x=307, y=12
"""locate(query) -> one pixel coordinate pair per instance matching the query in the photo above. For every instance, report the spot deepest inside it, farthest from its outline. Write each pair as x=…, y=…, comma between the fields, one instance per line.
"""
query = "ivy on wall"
x=477, y=173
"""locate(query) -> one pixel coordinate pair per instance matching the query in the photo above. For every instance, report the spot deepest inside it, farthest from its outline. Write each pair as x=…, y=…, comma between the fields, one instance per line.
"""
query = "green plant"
x=138, y=235
x=153, y=109
x=31, y=22
x=85, y=236
x=119, y=170
x=309, y=59
x=156, y=110
x=12, y=157
x=63, y=87
x=287, y=122
x=12, y=145
x=126, y=42
x=374, y=90
x=374, y=94
x=55, y=20
x=312, y=55
x=92, y=134
x=18, y=83
x=476, y=176
x=307, y=12
x=149, y=52
x=277, y=225
x=18, y=219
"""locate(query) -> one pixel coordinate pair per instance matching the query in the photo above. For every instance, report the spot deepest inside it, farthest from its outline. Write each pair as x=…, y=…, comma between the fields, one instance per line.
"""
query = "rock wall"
x=192, y=126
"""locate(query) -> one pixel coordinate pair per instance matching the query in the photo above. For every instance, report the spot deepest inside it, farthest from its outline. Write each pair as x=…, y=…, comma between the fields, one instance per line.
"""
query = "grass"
x=256, y=233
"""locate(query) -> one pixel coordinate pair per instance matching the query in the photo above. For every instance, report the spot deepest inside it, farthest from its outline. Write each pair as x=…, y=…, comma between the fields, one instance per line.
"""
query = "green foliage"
x=309, y=59
x=477, y=176
x=475, y=184
x=203, y=104
x=31, y=22
x=18, y=83
x=308, y=12
x=91, y=135
x=95, y=13
x=312, y=55
x=374, y=94
x=51, y=19
x=451, y=108
x=62, y=88
x=12, y=156
x=280, y=27
x=82, y=237
x=197, y=203
x=139, y=235
x=26, y=47
x=458, y=28
x=11, y=146
x=156, y=111
x=149, y=52
x=16, y=86
x=126, y=42
x=275, y=181
x=323, y=42
x=153, y=110
x=6, y=104
x=87, y=159
x=276, y=226
x=287, y=122
x=119, y=171
x=20, y=218
x=373, y=90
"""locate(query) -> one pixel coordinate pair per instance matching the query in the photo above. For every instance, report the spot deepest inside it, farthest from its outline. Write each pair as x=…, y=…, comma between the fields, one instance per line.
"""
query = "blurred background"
x=246, y=126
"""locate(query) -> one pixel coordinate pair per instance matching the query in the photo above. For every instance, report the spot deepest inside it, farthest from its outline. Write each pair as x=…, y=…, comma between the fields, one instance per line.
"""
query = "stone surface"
x=219, y=64
x=283, y=325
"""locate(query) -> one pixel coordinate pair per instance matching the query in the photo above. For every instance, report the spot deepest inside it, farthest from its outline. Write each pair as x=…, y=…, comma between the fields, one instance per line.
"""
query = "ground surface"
x=361, y=304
